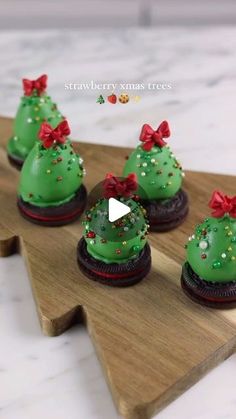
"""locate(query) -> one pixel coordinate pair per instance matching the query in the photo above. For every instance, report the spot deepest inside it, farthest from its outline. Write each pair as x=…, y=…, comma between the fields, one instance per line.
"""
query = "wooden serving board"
x=152, y=341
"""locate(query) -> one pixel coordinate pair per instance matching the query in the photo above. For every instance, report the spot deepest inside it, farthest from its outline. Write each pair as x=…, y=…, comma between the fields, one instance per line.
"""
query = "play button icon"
x=116, y=209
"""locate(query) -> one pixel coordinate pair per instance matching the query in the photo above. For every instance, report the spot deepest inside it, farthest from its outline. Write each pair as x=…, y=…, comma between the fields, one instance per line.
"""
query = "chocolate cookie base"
x=166, y=214
x=212, y=294
x=15, y=161
x=56, y=215
x=114, y=274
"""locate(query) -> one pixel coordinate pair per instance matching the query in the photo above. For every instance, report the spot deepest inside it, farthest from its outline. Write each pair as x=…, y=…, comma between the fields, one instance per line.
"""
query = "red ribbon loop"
x=151, y=137
x=49, y=136
x=114, y=187
x=39, y=85
x=222, y=204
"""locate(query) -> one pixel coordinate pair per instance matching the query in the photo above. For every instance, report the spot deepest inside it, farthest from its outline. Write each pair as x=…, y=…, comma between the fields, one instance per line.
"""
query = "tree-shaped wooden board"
x=152, y=341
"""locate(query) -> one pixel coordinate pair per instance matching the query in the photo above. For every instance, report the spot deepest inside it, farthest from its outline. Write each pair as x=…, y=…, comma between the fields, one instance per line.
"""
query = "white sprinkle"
x=183, y=174
x=29, y=120
x=153, y=160
x=126, y=228
x=223, y=255
x=203, y=244
x=144, y=164
x=143, y=174
x=138, y=156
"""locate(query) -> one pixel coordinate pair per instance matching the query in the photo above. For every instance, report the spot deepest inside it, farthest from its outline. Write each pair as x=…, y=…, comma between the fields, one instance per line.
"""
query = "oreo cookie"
x=167, y=214
x=114, y=274
x=55, y=215
x=212, y=294
x=15, y=161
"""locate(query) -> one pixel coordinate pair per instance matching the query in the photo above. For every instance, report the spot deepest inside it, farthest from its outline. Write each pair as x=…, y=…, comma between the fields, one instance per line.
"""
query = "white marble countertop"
x=61, y=377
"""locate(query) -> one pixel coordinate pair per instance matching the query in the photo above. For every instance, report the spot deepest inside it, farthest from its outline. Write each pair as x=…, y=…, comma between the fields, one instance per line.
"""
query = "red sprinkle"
x=91, y=235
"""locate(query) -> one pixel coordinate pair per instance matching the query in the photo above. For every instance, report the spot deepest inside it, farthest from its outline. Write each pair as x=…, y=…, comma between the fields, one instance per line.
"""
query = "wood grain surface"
x=152, y=341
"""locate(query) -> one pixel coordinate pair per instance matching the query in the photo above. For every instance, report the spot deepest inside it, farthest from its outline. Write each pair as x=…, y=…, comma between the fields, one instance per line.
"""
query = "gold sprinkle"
x=230, y=249
x=48, y=171
x=59, y=178
x=233, y=257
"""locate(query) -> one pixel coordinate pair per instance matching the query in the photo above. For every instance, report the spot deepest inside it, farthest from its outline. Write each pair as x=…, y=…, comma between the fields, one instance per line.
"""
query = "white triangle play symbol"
x=116, y=209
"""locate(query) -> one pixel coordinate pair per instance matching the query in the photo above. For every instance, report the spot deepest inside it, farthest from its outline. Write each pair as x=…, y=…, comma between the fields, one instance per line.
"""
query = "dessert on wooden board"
x=50, y=190
x=160, y=176
x=151, y=316
x=115, y=253
x=209, y=273
x=35, y=108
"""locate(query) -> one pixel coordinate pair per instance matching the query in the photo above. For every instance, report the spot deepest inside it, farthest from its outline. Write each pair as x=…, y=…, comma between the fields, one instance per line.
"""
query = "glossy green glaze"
x=50, y=177
x=33, y=110
x=211, y=250
x=119, y=241
x=159, y=174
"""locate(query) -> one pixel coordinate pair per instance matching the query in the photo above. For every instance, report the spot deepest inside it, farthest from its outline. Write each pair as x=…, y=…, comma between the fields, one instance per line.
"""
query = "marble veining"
x=61, y=377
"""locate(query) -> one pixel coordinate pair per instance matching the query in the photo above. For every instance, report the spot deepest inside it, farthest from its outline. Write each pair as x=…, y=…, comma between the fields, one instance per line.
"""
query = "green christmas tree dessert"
x=35, y=108
x=209, y=273
x=160, y=179
x=50, y=190
x=115, y=252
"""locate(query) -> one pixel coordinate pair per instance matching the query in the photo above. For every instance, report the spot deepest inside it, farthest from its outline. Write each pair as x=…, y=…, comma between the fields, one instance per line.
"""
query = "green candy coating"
x=211, y=251
x=158, y=172
x=45, y=179
x=32, y=112
x=119, y=241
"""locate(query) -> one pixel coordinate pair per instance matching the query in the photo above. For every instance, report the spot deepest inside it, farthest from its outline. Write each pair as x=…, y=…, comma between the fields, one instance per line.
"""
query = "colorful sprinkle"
x=90, y=235
x=203, y=244
x=216, y=265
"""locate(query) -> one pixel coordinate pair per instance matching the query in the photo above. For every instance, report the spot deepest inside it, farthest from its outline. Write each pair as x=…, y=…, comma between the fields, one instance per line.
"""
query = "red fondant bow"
x=39, y=85
x=151, y=137
x=48, y=135
x=222, y=204
x=114, y=187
